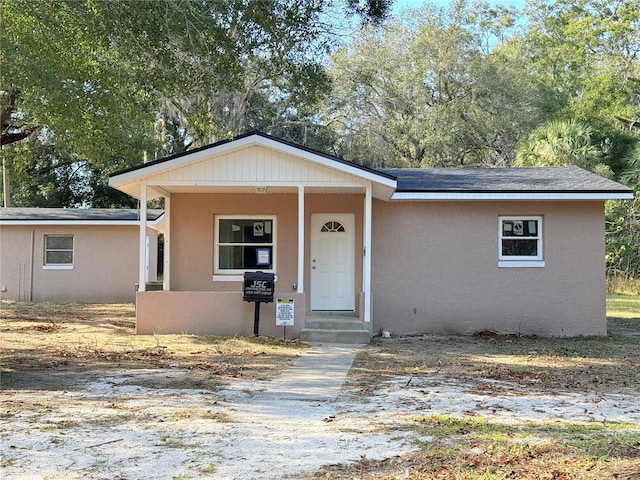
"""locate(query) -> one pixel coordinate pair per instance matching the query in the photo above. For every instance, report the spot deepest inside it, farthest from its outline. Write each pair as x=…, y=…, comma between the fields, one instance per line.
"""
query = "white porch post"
x=166, y=267
x=366, y=261
x=300, y=285
x=142, y=285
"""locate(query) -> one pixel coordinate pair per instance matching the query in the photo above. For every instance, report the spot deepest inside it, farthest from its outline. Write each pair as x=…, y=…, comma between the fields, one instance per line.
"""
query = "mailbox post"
x=258, y=287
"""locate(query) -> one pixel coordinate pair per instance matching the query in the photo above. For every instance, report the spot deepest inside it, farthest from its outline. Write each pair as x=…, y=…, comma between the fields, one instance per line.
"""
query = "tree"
x=559, y=143
x=65, y=88
x=423, y=90
x=586, y=52
x=109, y=80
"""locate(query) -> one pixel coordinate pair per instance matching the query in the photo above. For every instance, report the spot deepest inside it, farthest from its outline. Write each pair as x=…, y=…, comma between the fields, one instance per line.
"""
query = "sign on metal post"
x=284, y=312
x=258, y=287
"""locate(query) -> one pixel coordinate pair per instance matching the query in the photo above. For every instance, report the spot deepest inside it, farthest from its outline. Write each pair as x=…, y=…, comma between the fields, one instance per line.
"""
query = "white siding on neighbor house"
x=256, y=164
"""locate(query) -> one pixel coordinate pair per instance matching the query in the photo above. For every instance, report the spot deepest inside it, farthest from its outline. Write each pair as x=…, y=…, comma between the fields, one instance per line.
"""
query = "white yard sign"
x=284, y=312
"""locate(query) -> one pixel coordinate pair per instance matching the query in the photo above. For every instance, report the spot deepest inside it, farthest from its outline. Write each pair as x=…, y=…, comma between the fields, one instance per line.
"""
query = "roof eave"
x=461, y=195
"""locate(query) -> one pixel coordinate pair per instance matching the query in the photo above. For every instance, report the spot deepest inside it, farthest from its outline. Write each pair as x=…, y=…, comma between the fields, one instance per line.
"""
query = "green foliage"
x=67, y=79
x=623, y=237
x=559, y=143
x=586, y=53
x=423, y=91
x=44, y=174
x=109, y=80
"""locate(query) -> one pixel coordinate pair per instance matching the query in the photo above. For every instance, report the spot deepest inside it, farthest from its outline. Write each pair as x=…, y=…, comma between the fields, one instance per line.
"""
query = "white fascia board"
x=508, y=196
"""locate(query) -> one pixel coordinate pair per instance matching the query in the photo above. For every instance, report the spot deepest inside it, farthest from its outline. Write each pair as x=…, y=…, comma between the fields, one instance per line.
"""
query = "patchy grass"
x=52, y=346
x=603, y=364
x=476, y=448
x=38, y=338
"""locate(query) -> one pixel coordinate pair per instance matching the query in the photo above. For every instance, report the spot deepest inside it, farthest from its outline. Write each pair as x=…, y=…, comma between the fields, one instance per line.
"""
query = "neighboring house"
x=75, y=255
x=411, y=251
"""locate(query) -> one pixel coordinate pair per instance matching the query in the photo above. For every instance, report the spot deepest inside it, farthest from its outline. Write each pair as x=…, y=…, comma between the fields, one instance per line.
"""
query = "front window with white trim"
x=244, y=244
x=520, y=242
x=58, y=252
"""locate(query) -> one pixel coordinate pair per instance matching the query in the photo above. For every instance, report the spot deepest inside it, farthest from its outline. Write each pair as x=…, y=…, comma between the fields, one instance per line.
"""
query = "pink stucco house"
x=443, y=251
x=75, y=255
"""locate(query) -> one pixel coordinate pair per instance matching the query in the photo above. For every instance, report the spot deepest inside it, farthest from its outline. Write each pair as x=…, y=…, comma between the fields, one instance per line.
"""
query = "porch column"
x=142, y=264
x=166, y=260
x=366, y=261
x=300, y=285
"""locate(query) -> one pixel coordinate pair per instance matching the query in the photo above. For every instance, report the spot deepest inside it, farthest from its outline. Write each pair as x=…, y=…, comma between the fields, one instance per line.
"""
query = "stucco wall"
x=105, y=266
x=435, y=270
x=197, y=303
x=212, y=313
x=192, y=235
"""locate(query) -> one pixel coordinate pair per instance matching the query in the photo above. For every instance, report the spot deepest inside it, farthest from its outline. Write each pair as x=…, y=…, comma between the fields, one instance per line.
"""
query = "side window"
x=58, y=251
x=244, y=244
x=520, y=242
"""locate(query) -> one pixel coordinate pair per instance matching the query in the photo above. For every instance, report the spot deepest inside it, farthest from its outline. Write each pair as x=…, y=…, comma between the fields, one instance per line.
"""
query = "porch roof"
x=249, y=163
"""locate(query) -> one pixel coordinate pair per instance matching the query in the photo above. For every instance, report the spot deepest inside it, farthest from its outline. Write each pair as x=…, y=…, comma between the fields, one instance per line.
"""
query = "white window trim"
x=520, y=264
x=59, y=266
x=227, y=275
x=509, y=261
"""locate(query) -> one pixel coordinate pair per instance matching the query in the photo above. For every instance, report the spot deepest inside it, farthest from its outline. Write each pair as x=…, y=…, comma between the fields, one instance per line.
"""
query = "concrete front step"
x=346, y=323
x=334, y=327
x=330, y=335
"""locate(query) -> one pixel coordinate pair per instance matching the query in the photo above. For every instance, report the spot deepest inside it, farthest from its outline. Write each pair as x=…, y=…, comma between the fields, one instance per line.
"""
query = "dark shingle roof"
x=71, y=215
x=568, y=179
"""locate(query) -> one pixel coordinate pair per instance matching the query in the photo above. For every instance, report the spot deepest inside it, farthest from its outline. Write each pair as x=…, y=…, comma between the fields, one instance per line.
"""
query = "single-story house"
x=410, y=251
x=75, y=255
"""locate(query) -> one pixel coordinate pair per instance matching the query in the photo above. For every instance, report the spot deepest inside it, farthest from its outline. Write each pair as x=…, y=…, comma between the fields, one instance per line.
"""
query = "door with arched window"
x=332, y=261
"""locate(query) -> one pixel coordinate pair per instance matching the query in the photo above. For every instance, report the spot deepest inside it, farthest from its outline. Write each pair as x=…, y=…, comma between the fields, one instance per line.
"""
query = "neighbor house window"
x=244, y=243
x=520, y=242
x=58, y=251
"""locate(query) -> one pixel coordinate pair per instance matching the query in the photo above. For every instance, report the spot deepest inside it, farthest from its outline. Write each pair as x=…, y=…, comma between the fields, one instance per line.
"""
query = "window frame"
x=232, y=275
x=59, y=266
x=521, y=260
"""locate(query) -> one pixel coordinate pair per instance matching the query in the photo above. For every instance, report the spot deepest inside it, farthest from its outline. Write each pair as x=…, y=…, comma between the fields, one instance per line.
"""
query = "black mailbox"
x=258, y=287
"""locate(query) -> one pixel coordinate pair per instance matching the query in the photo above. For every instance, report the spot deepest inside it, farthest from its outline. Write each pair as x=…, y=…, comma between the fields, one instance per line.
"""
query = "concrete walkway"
x=318, y=375
x=295, y=422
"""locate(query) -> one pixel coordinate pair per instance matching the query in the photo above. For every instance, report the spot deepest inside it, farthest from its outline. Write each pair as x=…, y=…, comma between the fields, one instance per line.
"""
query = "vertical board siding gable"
x=255, y=164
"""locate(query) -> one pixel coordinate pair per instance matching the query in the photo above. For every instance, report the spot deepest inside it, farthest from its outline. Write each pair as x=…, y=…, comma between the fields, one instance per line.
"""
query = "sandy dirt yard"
x=85, y=398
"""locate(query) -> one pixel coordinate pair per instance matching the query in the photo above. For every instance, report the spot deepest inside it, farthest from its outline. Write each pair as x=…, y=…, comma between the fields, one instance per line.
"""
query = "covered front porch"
x=257, y=204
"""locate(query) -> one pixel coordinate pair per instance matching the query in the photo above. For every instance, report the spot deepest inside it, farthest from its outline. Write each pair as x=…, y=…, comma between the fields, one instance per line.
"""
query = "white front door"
x=332, y=261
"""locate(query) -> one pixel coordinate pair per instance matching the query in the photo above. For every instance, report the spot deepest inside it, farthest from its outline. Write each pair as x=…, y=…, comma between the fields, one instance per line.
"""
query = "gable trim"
x=242, y=141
